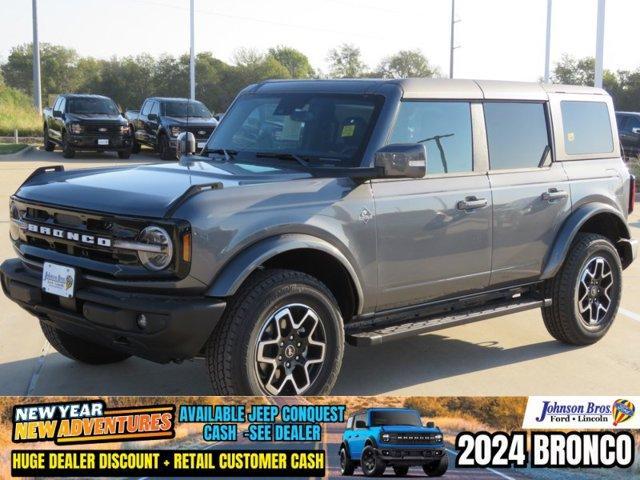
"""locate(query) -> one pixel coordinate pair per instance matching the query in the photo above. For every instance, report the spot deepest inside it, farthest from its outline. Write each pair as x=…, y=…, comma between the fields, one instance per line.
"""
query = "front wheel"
x=585, y=293
x=437, y=468
x=371, y=464
x=49, y=146
x=401, y=470
x=347, y=466
x=124, y=154
x=282, y=334
x=165, y=149
x=67, y=150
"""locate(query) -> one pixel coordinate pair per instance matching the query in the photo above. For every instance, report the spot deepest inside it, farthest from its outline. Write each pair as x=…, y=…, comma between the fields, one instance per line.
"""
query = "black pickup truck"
x=160, y=120
x=86, y=122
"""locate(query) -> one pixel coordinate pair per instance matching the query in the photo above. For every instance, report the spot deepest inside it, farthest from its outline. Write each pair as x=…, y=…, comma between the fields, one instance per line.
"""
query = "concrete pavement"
x=510, y=355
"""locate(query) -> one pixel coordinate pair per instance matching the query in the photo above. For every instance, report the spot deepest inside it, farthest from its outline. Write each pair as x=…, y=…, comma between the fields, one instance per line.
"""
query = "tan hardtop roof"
x=487, y=89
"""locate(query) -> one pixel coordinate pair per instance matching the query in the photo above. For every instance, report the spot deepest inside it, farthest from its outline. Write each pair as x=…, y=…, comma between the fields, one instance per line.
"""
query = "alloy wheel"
x=290, y=350
x=593, y=292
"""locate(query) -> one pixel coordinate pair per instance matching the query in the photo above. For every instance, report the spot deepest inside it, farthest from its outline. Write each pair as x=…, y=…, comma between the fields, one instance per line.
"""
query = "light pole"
x=452, y=46
x=192, y=59
x=547, y=52
x=37, y=95
x=599, y=44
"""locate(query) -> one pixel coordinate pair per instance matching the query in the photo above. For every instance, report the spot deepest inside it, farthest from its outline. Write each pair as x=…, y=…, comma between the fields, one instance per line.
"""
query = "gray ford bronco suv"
x=331, y=210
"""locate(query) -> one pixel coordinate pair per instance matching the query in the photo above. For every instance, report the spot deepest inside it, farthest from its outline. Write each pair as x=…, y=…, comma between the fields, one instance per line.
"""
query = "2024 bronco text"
x=312, y=217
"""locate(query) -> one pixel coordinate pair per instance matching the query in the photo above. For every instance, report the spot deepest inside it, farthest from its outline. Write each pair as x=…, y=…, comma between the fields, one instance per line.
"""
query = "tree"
x=293, y=60
x=345, y=62
x=58, y=69
x=406, y=64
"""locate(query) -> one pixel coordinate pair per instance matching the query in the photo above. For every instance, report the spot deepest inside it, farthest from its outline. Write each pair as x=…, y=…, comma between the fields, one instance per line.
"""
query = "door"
x=434, y=233
x=153, y=122
x=630, y=136
x=141, y=124
x=531, y=194
x=56, y=123
x=357, y=437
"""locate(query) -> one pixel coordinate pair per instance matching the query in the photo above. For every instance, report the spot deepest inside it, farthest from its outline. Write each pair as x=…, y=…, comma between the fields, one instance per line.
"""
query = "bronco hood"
x=407, y=429
x=141, y=190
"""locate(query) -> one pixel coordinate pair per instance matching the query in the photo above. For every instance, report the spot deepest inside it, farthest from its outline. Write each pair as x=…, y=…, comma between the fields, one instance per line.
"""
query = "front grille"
x=201, y=133
x=412, y=438
x=101, y=128
x=80, y=224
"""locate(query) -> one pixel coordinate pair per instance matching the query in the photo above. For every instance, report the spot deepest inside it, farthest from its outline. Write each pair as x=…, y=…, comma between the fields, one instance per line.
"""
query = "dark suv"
x=324, y=211
x=378, y=438
x=629, y=130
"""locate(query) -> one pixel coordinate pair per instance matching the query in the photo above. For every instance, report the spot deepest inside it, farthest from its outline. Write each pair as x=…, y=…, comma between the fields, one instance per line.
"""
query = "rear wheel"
x=347, y=466
x=585, y=293
x=437, y=468
x=282, y=334
x=67, y=150
x=49, y=146
x=80, y=350
x=371, y=464
x=400, y=470
x=164, y=149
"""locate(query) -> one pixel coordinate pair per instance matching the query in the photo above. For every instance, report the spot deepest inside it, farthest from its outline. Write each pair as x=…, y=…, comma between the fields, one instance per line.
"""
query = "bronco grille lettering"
x=69, y=235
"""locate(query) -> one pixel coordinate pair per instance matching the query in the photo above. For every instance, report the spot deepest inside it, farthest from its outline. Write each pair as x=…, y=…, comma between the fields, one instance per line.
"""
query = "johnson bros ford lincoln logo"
x=576, y=412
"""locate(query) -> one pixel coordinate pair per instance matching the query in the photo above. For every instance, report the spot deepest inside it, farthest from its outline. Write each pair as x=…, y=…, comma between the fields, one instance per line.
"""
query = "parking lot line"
x=630, y=314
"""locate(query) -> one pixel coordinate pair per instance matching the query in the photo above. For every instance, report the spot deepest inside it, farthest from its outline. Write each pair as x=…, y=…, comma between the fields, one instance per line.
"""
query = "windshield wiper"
x=228, y=154
x=284, y=156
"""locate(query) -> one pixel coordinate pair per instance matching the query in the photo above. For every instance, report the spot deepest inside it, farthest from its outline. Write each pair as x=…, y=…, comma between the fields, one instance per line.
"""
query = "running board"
x=379, y=335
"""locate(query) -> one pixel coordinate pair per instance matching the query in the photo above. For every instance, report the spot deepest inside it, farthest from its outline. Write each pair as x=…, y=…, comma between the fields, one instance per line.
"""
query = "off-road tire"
x=164, y=149
x=230, y=351
x=124, y=154
x=347, y=466
x=67, y=151
x=377, y=468
x=562, y=318
x=401, y=470
x=80, y=350
x=49, y=146
x=437, y=468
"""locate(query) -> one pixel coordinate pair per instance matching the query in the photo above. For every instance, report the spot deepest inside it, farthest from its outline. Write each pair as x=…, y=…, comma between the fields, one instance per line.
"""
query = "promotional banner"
x=315, y=437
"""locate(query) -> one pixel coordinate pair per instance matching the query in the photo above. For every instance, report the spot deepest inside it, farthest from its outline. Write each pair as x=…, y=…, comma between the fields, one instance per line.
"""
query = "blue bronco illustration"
x=378, y=438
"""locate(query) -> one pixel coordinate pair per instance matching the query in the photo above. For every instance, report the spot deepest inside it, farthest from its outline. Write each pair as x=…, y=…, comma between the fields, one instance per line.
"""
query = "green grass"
x=6, y=148
x=16, y=111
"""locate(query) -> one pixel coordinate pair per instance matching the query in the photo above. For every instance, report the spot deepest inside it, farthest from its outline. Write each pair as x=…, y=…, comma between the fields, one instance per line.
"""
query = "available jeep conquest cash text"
x=325, y=211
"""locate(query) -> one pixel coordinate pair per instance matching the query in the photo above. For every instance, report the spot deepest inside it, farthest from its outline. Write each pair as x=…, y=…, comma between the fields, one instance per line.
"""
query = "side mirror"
x=431, y=425
x=635, y=130
x=153, y=117
x=186, y=143
x=402, y=160
x=361, y=424
x=57, y=113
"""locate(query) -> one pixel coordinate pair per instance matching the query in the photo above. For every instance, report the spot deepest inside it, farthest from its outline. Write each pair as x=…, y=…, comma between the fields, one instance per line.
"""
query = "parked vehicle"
x=629, y=131
x=160, y=120
x=85, y=122
x=377, y=438
x=313, y=216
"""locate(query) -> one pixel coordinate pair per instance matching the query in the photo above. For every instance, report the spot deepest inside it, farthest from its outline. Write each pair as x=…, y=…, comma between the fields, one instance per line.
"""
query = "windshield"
x=185, y=109
x=330, y=126
x=104, y=106
x=379, y=419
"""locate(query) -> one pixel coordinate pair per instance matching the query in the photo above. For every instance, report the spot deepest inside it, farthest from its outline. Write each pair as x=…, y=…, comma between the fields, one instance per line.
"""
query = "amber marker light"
x=186, y=247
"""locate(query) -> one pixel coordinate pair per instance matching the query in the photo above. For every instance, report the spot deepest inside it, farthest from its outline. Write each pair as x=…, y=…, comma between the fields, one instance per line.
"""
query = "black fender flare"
x=237, y=270
x=345, y=445
x=570, y=229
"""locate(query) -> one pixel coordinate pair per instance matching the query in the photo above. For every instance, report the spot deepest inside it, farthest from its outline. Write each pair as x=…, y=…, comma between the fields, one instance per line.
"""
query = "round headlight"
x=385, y=437
x=156, y=237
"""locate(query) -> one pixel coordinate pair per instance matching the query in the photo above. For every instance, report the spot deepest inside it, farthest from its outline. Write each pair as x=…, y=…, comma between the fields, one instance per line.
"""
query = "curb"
x=17, y=155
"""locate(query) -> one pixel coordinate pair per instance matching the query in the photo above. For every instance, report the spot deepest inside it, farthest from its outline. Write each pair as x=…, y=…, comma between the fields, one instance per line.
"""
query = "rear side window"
x=517, y=134
x=443, y=127
x=587, y=129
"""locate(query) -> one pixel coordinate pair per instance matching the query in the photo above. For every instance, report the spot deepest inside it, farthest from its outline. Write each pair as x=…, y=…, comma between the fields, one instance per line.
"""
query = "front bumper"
x=90, y=141
x=413, y=455
x=177, y=326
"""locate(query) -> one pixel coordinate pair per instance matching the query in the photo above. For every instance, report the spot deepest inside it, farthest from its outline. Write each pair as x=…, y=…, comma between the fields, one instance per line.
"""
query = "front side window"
x=517, y=135
x=155, y=109
x=185, y=109
x=382, y=418
x=329, y=126
x=89, y=105
x=444, y=128
x=146, y=107
x=587, y=129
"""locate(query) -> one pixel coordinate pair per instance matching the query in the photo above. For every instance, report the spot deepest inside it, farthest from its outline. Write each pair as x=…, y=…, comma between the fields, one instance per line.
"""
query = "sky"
x=498, y=39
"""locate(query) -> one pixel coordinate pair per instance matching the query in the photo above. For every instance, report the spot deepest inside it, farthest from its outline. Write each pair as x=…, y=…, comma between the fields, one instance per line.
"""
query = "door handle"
x=554, y=194
x=471, y=203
